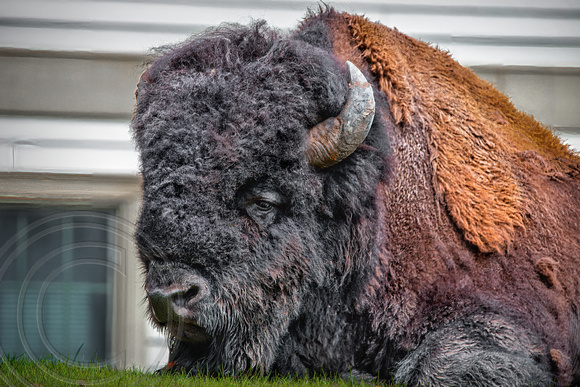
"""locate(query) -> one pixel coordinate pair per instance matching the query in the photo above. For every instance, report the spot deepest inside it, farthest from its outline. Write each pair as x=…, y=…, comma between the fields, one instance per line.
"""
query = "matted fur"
x=472, y=129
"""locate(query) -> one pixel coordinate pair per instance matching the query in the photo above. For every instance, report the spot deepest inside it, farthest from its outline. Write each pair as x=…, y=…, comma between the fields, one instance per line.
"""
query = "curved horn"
x=336, y=138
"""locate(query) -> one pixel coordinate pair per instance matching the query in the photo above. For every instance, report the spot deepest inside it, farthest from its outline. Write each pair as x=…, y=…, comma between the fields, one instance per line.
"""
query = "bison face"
x=229, y=285
x=237, y=228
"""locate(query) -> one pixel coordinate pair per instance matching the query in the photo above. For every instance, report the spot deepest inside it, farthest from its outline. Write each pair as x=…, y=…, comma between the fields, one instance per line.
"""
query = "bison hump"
x=474, y=132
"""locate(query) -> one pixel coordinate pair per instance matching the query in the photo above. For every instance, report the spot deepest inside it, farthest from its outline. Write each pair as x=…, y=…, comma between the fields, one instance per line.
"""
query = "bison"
x=344, y=198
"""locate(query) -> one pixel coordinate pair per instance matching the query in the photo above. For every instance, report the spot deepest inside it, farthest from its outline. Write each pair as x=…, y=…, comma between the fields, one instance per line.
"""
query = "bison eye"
x=263, y=207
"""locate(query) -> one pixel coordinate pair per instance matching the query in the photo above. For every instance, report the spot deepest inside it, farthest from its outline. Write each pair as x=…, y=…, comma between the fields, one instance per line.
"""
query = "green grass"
x=24, y=372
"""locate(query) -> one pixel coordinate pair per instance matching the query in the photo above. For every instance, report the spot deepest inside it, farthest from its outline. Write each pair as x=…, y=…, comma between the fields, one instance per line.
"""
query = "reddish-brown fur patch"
x=546, y=269
x=561, y=361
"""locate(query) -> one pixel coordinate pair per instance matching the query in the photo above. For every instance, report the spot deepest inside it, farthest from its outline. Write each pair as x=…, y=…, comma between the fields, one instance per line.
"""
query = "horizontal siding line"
x=270, y=4
x=139, y=59
x=483, y=11
x=121, y=145
x=532, y=70
x=67, y=114
x=567, y=130
x=102, y=25
x=519, y=41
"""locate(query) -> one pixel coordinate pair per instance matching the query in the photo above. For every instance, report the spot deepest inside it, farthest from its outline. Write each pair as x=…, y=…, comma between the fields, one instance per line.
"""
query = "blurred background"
x=70, y=283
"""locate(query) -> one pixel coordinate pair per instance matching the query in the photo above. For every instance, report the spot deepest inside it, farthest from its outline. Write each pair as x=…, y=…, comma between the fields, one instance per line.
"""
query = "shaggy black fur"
x=221, y=124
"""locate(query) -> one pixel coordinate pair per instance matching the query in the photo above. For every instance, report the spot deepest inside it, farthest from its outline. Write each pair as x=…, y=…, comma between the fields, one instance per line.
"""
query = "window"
x=70, y=280
x=57, y=270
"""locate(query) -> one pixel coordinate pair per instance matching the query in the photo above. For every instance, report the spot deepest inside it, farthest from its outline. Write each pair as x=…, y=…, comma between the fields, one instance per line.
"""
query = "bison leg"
x=484, y=350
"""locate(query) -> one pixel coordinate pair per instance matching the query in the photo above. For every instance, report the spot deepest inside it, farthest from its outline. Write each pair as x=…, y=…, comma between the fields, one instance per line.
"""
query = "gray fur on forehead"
x=235, y=95
x=259, y=54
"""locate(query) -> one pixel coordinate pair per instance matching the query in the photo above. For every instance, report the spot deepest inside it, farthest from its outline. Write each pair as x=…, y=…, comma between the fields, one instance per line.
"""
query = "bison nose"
x=176, y=301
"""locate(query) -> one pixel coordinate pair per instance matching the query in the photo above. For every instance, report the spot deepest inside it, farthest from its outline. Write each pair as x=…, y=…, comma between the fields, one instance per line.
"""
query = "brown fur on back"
x=474, y=132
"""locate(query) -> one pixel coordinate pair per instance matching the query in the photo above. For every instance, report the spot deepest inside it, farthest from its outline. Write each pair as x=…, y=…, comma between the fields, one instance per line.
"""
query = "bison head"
x=256, y=191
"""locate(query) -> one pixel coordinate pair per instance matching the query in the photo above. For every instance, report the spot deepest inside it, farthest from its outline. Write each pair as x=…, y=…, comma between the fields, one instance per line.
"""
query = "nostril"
x=192, y=293
x=185, y=298
x=196, y=289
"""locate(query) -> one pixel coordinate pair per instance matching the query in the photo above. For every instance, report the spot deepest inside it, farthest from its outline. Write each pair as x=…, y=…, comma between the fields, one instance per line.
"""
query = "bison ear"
x=334, y=139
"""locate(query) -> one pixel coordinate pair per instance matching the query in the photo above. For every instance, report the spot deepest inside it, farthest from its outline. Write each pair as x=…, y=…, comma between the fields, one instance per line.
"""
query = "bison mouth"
x=179, y=321
x=188, y=331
